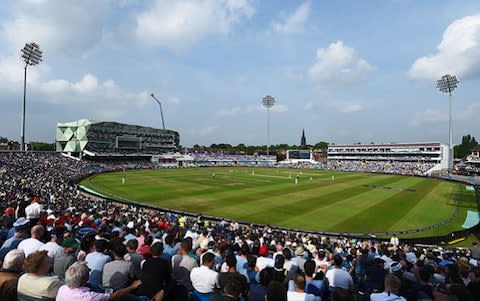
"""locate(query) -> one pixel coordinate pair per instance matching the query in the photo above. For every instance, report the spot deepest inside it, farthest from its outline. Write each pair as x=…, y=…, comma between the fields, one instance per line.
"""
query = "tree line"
x=253, y=149
x=465, y=148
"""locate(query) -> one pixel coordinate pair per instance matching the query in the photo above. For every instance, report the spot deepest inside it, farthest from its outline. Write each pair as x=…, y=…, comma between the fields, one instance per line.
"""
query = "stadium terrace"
x=96, y=247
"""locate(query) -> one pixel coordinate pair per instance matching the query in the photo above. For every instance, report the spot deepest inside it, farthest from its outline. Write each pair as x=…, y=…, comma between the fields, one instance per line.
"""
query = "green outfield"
x=321, y=201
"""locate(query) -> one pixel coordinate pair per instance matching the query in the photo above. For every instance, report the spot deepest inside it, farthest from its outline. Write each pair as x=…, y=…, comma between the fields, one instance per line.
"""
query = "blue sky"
x=345, y=71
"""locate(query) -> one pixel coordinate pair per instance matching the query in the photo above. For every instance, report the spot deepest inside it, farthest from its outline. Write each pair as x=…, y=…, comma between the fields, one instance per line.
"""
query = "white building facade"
x=421, y=152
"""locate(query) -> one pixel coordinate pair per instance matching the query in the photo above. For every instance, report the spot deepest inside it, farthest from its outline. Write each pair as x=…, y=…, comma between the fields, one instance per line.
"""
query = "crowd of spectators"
x=466, y=168
x=207, y=159
x=58, y=244
x=402, y=168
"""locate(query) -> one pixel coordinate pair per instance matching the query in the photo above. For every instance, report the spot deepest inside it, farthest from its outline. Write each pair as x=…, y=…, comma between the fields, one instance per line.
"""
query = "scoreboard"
x=299, y=155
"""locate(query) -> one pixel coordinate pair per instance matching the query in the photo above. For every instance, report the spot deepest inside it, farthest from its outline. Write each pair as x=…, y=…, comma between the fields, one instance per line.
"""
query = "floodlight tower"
x=268, y=102
x=31, y=56
x=161, y=111
x=447, y=84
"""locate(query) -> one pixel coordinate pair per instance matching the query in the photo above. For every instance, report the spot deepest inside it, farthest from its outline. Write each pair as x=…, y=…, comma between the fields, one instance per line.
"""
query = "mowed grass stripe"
x=226, y=202
x=294, y=204
x=332, y=214
x=163, y=186
x=436, y=200
x=291, y=191
x=467, y=202
x=336, y=190
x=270, y=196
x=225, y=194
x=402, y=208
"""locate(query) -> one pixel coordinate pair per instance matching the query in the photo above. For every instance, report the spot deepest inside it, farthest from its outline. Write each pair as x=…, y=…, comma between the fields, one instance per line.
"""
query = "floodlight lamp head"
x=31, y=54
x=268, y=101
x=447, y=83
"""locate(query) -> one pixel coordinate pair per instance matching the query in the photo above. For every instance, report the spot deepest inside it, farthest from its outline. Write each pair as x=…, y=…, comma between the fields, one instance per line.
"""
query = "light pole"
x=31, y=56
x=447, y=84
x=161, y=111
x=268, y=102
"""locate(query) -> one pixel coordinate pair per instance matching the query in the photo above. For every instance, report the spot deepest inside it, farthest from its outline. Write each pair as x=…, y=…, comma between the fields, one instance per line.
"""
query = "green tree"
x=321, y=145
x=42, y=146
x=465, y=148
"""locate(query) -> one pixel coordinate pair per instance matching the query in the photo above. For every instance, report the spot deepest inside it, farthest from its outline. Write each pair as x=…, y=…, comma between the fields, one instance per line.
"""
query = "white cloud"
x=60, y=90
x=235, y=111
x=338, y=65
x=350, y=108
x=208, y=130
x=178, y=24
x=228, y=112
x=458, y=53
x=173, y=100
x=279, y=108
x=56, y=86
x=339, y=106
x=435, y=116
x=109, y=84
x=12, y=72
x=428, y=116
x=87, y=84
x=295, y=22
x=310, y=105
x=103, y=100
x=59, y=27
x=109, y=99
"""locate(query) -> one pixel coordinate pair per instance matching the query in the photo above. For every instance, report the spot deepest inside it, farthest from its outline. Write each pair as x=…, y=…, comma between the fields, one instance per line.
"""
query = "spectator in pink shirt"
x=75, y=287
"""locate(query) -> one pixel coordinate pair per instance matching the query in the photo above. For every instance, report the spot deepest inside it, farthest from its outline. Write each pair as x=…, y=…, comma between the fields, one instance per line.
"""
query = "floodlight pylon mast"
x=268, y=102
x=31, y=56
x=161, y=111
x=447, y=84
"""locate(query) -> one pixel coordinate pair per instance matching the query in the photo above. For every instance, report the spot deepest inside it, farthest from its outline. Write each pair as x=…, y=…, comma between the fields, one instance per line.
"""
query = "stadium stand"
x=471, y=164
x=108, y=139
x=83, y=248
x=402, y=168
x=204, y=159
x=371, y=156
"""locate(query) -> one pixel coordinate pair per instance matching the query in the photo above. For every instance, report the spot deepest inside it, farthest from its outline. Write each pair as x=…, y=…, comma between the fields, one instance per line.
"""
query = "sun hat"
x=21, y=223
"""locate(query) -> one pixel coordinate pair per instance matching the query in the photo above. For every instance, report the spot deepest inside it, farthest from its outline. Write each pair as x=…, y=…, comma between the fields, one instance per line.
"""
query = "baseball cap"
x=411, y=257
x=396, y=266
x=70, y=242
x=9, y=211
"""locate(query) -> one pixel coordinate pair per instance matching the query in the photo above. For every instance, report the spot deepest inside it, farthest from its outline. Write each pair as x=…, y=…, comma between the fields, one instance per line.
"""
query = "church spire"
x=303, y=141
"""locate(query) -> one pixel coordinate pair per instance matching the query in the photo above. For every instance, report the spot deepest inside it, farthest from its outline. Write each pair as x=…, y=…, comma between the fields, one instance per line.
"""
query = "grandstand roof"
x=80, y=122
x=87, y=122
